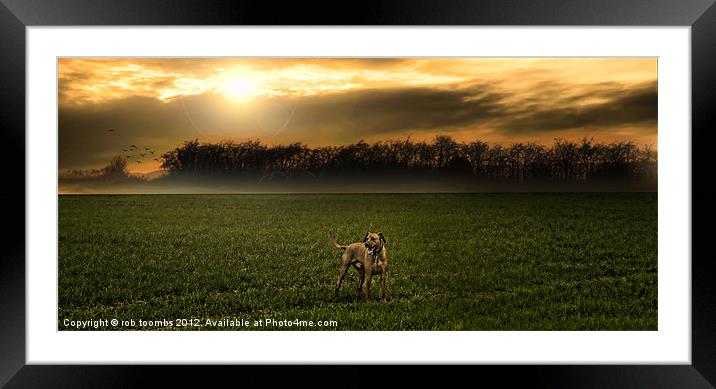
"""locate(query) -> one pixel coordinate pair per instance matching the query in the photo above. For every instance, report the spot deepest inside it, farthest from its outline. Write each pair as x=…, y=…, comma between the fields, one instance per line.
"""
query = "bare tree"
x=520, y=162
x=117, y=167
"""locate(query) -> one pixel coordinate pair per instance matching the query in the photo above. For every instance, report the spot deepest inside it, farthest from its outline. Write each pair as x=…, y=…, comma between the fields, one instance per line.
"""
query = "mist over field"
x=442, y=165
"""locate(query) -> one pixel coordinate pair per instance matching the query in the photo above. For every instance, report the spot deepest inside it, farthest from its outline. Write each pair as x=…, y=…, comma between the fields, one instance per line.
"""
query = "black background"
x=15, y=15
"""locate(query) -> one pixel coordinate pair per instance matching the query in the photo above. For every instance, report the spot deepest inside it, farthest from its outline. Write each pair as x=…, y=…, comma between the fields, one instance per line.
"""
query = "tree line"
x=563, y=160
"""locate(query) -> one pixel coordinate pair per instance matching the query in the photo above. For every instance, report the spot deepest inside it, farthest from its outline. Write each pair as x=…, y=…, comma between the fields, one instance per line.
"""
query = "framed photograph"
x=474, y=186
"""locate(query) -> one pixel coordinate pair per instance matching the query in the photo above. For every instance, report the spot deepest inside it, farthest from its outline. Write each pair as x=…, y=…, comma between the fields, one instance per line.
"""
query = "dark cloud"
x=366, y=113
x=621, y=106
x=351, y=116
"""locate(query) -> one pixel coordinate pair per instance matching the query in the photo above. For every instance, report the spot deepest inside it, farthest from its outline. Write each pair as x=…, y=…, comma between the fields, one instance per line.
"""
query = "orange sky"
x=157, y=103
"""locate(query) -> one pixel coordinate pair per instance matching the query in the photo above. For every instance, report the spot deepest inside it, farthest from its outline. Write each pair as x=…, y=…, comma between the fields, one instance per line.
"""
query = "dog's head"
x=373, y=240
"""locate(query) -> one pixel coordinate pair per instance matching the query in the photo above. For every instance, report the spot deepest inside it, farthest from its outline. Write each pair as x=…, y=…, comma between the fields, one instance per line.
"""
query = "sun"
x=239, y=90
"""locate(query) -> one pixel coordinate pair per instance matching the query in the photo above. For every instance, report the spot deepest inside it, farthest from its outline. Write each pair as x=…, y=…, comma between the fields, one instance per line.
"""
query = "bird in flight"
x=111, y=130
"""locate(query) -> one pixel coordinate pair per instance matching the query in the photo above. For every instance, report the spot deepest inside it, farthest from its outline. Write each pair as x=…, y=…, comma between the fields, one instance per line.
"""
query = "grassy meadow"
x=549, y=261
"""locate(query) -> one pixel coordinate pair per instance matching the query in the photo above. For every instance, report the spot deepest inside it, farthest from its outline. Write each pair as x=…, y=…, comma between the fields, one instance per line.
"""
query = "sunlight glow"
x=239, y=90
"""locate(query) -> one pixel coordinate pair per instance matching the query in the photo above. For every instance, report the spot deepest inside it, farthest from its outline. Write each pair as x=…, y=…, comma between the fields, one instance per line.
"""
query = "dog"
x=369, y=258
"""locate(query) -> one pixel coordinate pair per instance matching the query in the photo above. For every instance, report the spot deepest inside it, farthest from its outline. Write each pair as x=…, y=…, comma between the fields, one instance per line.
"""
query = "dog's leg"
x=360, y=280
x=367, y=286
x=341, y=274
x=383, y=288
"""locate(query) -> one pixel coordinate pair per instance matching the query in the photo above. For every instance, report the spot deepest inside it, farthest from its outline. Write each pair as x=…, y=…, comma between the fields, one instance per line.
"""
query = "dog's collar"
x=375, y=252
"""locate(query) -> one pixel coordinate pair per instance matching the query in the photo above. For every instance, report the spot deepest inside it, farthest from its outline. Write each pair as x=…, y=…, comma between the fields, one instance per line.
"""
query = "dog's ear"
x=382, y=238
x=365, y=238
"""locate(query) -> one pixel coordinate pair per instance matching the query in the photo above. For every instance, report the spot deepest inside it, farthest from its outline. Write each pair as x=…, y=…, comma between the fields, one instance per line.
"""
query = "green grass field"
x=456, y=261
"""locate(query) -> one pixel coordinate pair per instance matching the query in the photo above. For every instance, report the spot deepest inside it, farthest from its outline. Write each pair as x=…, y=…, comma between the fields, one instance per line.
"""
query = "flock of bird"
x=129, y=151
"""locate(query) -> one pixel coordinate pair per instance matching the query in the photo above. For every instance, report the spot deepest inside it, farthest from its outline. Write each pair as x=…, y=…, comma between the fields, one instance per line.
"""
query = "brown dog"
x=368, y=257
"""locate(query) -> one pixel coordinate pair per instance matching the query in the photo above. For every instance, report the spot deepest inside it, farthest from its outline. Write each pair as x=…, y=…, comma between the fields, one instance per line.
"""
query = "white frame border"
x=670, y=344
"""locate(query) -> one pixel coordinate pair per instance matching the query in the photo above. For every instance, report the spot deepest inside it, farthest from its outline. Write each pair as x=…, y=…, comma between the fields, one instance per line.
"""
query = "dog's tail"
x=336, y=245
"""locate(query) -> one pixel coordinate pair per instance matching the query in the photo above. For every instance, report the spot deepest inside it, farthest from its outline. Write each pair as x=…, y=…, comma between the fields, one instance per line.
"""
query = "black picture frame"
x=16, y=15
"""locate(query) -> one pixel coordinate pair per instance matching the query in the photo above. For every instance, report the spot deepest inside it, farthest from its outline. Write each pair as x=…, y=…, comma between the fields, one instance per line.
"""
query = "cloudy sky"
x=158, y=103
